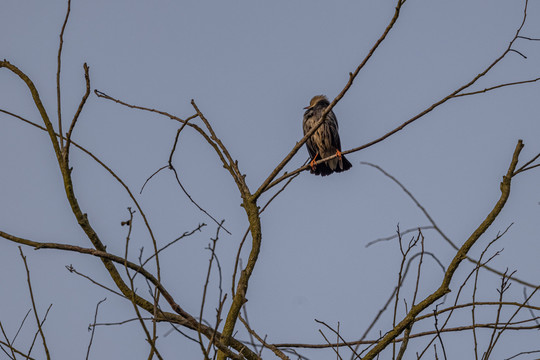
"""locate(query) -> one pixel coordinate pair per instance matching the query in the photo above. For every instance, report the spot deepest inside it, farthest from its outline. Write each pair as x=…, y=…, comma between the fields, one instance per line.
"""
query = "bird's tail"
x=331, y=166
x=343, y=164
x=322, y=169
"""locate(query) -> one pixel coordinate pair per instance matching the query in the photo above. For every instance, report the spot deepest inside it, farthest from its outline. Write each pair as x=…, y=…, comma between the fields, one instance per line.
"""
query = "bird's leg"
x=312, y=163
x=338, y=153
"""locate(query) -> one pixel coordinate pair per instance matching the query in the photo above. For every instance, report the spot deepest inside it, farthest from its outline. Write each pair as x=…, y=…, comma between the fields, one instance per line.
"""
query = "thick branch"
x=252, y=211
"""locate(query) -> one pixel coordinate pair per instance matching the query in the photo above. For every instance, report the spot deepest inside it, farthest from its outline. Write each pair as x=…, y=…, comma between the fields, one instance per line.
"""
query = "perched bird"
x=325, y=141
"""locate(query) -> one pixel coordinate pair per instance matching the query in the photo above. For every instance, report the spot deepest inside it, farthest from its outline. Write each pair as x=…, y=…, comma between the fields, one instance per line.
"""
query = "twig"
x=26, y=356
x=149, y=338
x=524, y=167
x=193, y=201
x=498, y=87
x=339, y=337
x=252, y=332
x=59, y=61
x=207, y=281
x=439, y=333
x=329, y=343
x=45, y=348
x=151, y=176
x=79, y=110
x=407, y=332
x=37, y=332
x=185, y=234
x=523, y=353
x=404, y=343
x=8, y=343
x=528, y=38
x=400, y=279
x=93, y=327
x=72, y=270
x=503, y=288
x=525, y=297
x=403, y=232
x=20, y=326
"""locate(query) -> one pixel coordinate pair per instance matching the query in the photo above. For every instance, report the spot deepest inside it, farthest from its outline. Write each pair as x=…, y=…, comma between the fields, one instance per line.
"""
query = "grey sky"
x=251, y=67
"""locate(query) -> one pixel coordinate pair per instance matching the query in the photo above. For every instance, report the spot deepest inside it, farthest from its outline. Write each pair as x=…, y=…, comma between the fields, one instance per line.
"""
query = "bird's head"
x=315, y=100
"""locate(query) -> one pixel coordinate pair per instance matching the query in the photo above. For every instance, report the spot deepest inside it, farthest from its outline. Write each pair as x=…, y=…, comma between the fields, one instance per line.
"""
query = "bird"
x=324, y=142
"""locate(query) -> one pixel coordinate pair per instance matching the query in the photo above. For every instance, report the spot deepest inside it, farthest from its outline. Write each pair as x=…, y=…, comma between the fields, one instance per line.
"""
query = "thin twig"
x=523, y=168
x=439, y=333
x=20, y=326
x=498, y=87
x=72, y=270
x=523, y=353
x=525, y=297
x=264, y=343
x=403, y=232
x=207, y=281
x=185, y=234
x=193, y=201
x=37, y=332
x=8, y=343
x=45, y=348
x=59, y=63
x=339, y=337
x=149, y=338
x=92, y=327
x=79, y=109
x=503, y=288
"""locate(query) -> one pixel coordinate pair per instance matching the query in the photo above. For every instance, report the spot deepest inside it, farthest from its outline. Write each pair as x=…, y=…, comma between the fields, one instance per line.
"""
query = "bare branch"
x=92, y=327
x=497, y=87
x=7, y=343
x=45, y=348
x=185, y=234
x=79, y=110
x=59, y=62
x=252, y=332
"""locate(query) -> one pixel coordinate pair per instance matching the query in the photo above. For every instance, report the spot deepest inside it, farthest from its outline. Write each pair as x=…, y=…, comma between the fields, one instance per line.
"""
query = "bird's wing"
x=334, y=130
x=306, y=124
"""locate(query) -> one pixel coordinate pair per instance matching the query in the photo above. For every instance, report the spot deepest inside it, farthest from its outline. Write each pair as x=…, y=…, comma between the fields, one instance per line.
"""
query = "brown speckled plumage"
x=325, y=141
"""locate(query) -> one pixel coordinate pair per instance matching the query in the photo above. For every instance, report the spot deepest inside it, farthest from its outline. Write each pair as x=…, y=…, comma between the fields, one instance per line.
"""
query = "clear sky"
x=251, y=68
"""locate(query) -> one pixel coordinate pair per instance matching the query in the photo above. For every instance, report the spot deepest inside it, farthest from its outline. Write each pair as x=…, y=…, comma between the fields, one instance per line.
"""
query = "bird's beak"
x=307, y=107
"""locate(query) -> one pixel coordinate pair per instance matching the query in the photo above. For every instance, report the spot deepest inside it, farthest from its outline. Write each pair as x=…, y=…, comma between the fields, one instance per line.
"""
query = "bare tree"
x=420, y=320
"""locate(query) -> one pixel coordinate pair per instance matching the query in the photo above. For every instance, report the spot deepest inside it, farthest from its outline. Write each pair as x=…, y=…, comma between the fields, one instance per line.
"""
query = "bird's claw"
x=312, y=162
